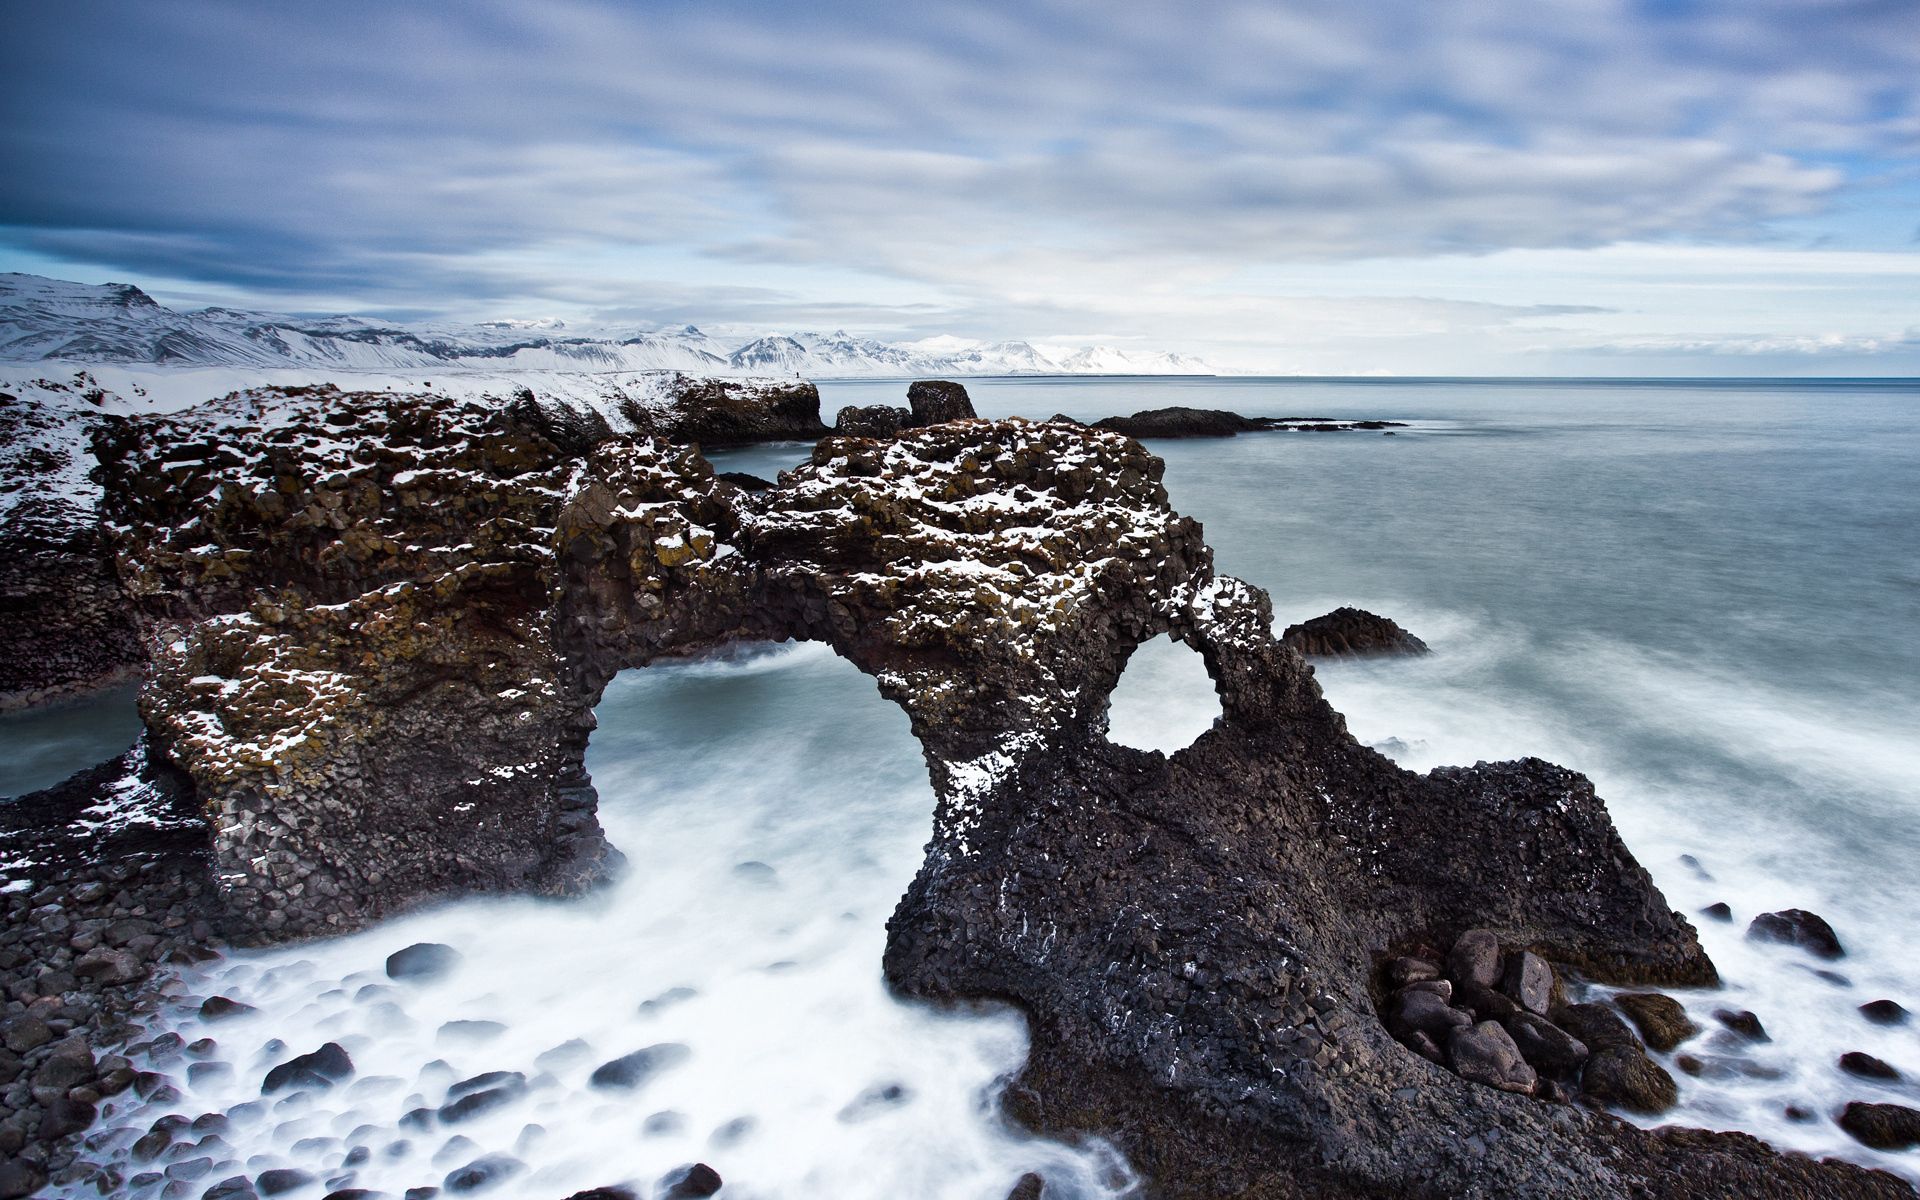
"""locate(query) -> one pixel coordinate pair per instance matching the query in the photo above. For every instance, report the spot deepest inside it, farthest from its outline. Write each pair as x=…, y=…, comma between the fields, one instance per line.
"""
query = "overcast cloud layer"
x=1482, y=185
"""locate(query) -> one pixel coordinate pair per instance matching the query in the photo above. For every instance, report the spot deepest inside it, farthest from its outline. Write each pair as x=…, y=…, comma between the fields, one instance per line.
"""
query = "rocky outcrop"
x=379, y=626
x=931, y=402
x=1179, y=422
x=66, y=625
x=1351, y=633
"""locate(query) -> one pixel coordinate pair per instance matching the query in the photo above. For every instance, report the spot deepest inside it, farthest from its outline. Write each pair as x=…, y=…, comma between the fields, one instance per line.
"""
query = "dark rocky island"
x=1212, y=422
x=377, y=627
x=1351, y=633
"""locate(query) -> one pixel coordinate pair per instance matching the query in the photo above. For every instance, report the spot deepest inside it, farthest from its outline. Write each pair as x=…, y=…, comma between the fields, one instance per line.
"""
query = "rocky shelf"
x=377, y=627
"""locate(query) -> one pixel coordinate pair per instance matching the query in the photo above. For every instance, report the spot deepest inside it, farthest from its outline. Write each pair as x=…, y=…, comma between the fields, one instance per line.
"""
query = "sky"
x=1471, y=187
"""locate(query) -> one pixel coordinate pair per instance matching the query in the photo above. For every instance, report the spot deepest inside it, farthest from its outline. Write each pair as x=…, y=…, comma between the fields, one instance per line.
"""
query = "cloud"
x=1086, y=164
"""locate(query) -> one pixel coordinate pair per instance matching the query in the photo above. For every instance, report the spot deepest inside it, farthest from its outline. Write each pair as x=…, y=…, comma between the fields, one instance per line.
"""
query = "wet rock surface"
x=1797, y=927
x=1351, y=633
x=379, y=624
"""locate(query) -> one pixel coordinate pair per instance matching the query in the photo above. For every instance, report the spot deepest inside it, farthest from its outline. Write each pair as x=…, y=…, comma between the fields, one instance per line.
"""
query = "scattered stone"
x=1798, y=1114
x=1662, y=1020
x=476, y=1104
x=1797, y=927
x=1882, y=1126
x=1719, y=911
x=320, y=1068
x=1485, y=1053
x=107, y=967
x=1029, y=1187
x=564, y=1055
x=632, y=1070
x=1742, y=1022
x=1866, y=1066
x=689, y=1182
x=233, y=1187
x=1618, y=1071
x=1485, y=1003
x=422, y=961
x=1353, y=633
x=1475, y=959
x=1884, y=1012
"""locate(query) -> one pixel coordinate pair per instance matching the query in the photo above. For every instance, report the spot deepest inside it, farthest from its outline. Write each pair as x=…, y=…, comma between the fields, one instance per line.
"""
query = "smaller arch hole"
x=1164, y=700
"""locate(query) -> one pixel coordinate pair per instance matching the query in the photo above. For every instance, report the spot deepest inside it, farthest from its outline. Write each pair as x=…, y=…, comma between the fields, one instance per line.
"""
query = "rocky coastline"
x=376, y=626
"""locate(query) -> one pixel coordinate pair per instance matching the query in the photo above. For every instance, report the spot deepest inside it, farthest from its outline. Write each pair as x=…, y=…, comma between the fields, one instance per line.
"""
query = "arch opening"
x=771, y=807
x=1165, y=698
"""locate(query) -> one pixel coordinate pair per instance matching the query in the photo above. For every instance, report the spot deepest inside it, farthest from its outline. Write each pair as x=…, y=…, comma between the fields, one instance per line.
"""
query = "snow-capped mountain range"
x=51, y=319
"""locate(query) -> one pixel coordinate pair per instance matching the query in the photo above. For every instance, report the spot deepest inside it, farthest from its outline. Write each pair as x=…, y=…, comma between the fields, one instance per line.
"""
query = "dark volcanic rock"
x=1486, y=1053
x=320, y=1068
x=1181, y=423
x=1549, y=1048
x=483, y=1172
x=689, y=1182
x=1866, y=1066
x=1884, y=1012
x=422, y=960
x=1529, y=981
x=1661, y=1019
x=934, y=401
x=1797, y=927
x=872, y=421
x=1742, y=1022
x=1882, y=1126
x=1351, y=633
x=361, y=605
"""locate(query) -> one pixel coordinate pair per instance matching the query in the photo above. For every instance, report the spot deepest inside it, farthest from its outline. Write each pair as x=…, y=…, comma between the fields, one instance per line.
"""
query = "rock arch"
x=379, y=624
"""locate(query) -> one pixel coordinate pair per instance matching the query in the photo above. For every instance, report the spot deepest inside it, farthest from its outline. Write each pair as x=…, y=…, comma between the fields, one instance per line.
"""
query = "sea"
x=1703, y=594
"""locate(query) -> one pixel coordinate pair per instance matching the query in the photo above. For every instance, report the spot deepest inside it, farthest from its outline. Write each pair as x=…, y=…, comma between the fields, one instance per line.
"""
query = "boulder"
x=1797, y=927
x=690, y=1182
x=422, y=961
x=1475, y=960
x=1882, y=1126
x=1351, y=633
x=1528, y=981
x=1402, y=971
x=1884, y=1012
x=320, y=1068
x=1550, y=1049
x=935, y=401
x=216, y=1008
x=1427, y=1013
x=1486, y=1053
x=1178, y=422
x=1742, y=1022
x=1662, y=1020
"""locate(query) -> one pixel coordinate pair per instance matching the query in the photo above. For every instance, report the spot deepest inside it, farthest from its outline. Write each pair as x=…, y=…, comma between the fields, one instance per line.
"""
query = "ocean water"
x=1704, y=596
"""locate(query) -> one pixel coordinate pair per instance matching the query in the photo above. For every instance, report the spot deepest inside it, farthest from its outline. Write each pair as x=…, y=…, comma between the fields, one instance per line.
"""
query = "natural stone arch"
x=382, y=609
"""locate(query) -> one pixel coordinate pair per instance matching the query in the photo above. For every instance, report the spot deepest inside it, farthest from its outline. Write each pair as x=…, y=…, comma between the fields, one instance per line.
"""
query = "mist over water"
x=1703, y=596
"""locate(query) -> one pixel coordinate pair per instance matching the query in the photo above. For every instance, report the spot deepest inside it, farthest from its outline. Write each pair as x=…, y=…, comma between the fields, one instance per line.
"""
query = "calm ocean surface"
x=1705, y=596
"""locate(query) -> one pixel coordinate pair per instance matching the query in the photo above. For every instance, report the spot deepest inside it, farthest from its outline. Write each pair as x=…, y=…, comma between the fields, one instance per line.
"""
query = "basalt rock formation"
x=379, y=624
x=1351, y=633
x=930, y=402
x=66, y=626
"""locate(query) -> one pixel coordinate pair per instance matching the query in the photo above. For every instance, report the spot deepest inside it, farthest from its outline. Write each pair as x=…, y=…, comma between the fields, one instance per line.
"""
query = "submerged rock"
x=422, y=961
x=630, y=1071
x=320, y=1068
x=1351, y=633
x=1884, y=1012
x=689, y=1182
x=1866, y=1066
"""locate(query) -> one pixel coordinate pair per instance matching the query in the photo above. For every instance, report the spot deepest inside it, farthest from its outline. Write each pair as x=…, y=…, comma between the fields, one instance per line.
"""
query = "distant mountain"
x=51, y=319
